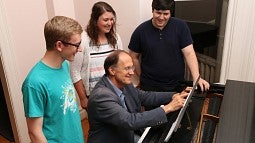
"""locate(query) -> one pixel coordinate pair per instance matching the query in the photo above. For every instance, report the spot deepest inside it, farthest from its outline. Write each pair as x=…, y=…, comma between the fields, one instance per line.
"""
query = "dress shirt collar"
x=115, y=88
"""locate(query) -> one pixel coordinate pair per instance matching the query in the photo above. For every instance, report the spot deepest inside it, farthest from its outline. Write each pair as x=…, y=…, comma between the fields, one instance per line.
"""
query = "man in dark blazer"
x=114, y=121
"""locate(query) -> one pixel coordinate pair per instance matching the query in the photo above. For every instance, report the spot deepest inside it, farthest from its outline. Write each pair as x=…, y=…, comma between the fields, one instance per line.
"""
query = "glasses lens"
x=132, y=68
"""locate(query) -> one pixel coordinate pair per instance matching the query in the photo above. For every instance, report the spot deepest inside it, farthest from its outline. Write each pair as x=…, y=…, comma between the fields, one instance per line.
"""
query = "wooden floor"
x=85, y=127
x=3, y=140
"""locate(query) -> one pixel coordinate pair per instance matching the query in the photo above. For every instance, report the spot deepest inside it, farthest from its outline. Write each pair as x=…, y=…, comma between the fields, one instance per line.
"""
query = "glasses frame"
x=127, y=69
x=77, y=45
x=132, y=68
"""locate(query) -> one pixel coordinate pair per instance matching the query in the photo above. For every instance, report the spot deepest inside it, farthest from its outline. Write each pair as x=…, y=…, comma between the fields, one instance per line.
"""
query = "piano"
x=186, y=131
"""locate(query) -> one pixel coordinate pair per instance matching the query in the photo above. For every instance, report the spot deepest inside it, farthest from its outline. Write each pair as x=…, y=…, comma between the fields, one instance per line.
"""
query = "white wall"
x=26, y=22
x=238, y=62
x=22, y=42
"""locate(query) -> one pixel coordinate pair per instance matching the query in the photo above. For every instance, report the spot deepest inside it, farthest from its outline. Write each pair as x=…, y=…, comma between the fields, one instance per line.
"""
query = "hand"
x=186, y=90
x=204, y=85
x=177, y=102
x=84, y=103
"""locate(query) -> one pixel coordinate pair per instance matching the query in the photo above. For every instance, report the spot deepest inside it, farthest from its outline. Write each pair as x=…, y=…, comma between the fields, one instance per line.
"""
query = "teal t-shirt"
x=49, y=93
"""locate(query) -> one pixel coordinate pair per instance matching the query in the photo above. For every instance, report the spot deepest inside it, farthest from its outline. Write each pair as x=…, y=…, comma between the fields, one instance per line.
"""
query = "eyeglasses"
x=77, y=45
x=132, y=68
x=127, y=69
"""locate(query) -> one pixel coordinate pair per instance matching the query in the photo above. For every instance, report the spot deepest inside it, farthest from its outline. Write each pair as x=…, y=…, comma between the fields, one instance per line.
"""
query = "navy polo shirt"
x=162, y=62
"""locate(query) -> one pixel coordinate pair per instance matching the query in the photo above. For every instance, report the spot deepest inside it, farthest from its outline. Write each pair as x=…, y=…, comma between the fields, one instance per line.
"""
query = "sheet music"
x=176, y=123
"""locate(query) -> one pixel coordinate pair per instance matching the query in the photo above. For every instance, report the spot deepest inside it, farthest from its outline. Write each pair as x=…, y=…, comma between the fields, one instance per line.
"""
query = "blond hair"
x=60, y=28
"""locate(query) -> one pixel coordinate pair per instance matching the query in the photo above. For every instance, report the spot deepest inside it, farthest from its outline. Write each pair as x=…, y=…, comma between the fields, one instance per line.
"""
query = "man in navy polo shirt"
x=158, y=48
x=163, y=43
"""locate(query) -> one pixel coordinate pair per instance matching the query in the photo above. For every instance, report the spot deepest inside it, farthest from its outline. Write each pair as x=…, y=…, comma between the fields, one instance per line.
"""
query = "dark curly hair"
x=163, y=5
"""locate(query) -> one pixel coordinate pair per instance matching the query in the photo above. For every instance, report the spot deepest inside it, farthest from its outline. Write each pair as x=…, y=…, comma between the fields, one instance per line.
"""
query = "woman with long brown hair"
x=98, y=40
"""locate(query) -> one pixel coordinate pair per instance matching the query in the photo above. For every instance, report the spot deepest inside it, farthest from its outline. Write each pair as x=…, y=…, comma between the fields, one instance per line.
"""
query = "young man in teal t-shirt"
x=49, y=97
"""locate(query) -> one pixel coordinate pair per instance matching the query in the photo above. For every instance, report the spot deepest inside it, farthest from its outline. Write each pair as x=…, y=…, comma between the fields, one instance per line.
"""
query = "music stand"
x=176, y=124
